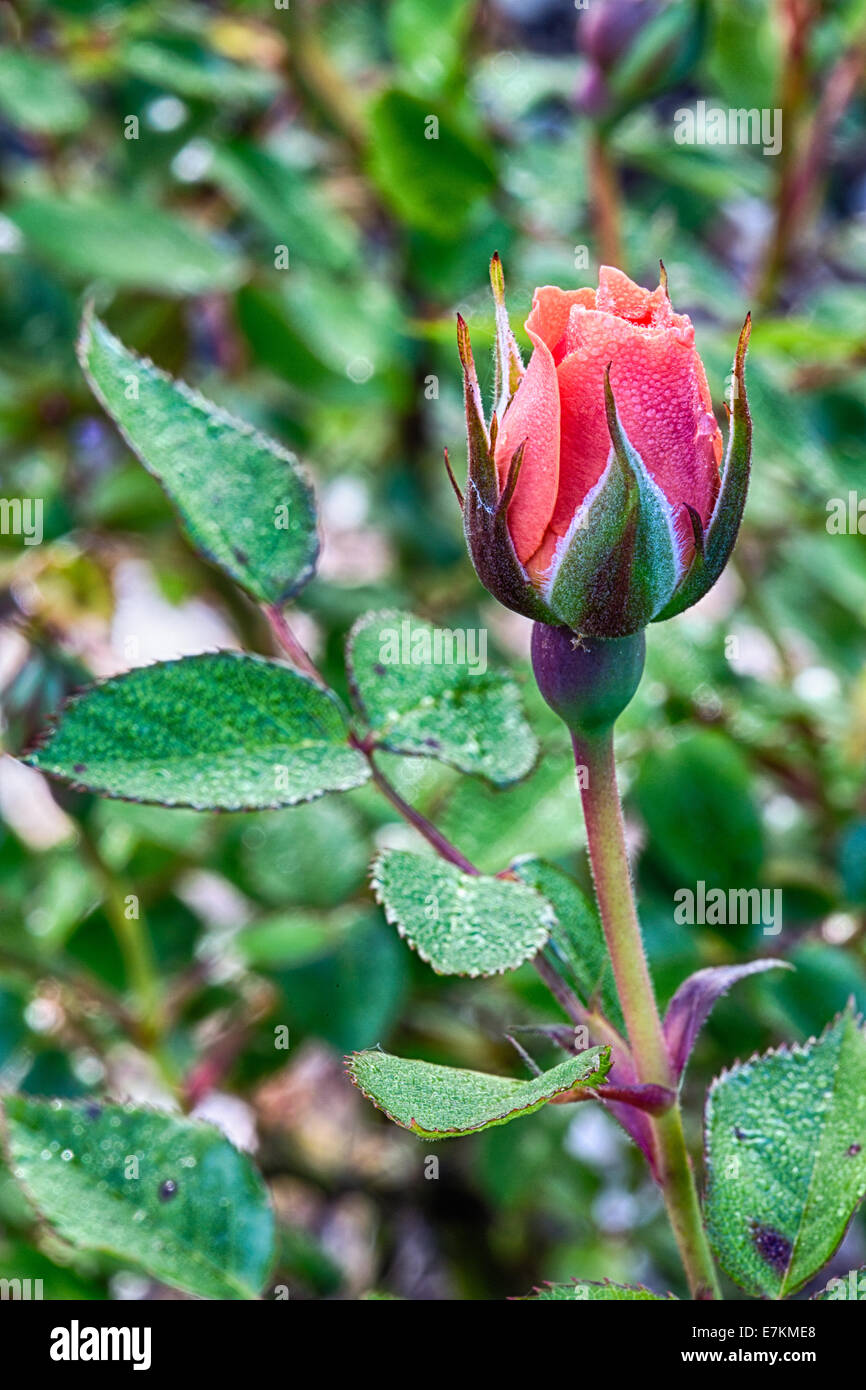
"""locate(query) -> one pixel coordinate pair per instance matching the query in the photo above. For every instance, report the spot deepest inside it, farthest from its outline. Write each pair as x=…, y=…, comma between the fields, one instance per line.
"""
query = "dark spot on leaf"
x=240, y=555
x=432, y=743
x=167, y=1190
x=379, y=669
x=853, y=1150
x=738, y=1133
x=79, y=767
x=92, y=1110
x=772, y=1246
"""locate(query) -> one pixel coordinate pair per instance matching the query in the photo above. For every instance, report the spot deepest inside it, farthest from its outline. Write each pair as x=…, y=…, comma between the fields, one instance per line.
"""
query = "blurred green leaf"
x=746, y=56
x=852, y=863
x=13, y=1029
x=823, y=980
x=161, y=1193
x=266, y=322
x=198, y=73
x=127, y=242
x=314, y=855
x=430, y=52
x=283, y=200
x=37, y=94
x=493, y=827
x=353, y=996
x=696, y=800
x=55, y=1282
x=429, y=168
x=288, y=939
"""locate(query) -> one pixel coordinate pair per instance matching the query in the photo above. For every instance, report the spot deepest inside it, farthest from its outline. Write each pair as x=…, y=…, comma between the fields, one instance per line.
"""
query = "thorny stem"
x=597, y=1026
x=606, y=837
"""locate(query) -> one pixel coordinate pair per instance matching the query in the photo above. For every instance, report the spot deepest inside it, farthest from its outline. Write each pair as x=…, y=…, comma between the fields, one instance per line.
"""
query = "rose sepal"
x=620, y=563
x=485, y=505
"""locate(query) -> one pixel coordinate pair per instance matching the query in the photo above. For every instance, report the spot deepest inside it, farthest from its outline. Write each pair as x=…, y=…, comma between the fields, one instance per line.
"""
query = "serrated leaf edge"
x=42, y=739
x=547, y=918
x=499, y=678
x=783, y=1050
x=215, y=412
x=595, y=1284
x=349, y=1063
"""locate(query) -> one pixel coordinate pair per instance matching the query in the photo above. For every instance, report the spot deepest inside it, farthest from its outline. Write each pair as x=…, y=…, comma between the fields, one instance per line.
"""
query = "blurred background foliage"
x=167, y=160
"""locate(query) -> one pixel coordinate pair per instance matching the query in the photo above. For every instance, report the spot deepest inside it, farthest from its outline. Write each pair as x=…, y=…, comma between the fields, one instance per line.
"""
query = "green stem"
x=135, y=947
x=613, y=886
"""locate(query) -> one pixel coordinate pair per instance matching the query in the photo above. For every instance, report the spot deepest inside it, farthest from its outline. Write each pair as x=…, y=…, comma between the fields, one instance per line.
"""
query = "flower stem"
x=604, y=186
x=424, y=827
x=613, y=886
x=135, y=947
x=286, y=638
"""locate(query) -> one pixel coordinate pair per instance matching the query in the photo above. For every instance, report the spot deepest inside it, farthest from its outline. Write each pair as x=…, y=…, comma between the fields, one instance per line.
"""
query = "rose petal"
x=533, y=416
x=619, y=295
x=548, y=318
x=664, y=404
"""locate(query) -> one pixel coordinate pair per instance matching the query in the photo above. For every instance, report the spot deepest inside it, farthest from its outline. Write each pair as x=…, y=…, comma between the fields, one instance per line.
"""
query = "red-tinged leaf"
x=691, y=1005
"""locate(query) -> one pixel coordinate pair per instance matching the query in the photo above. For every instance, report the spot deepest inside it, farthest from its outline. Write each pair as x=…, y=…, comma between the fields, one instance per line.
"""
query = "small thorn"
x=524, y=1055
x=663, y=279
x=454, y=482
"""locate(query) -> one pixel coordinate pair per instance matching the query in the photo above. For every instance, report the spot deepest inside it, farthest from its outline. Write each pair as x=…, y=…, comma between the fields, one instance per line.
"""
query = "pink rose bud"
x=595, y=498
x=607, y=28
x=592, y=93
